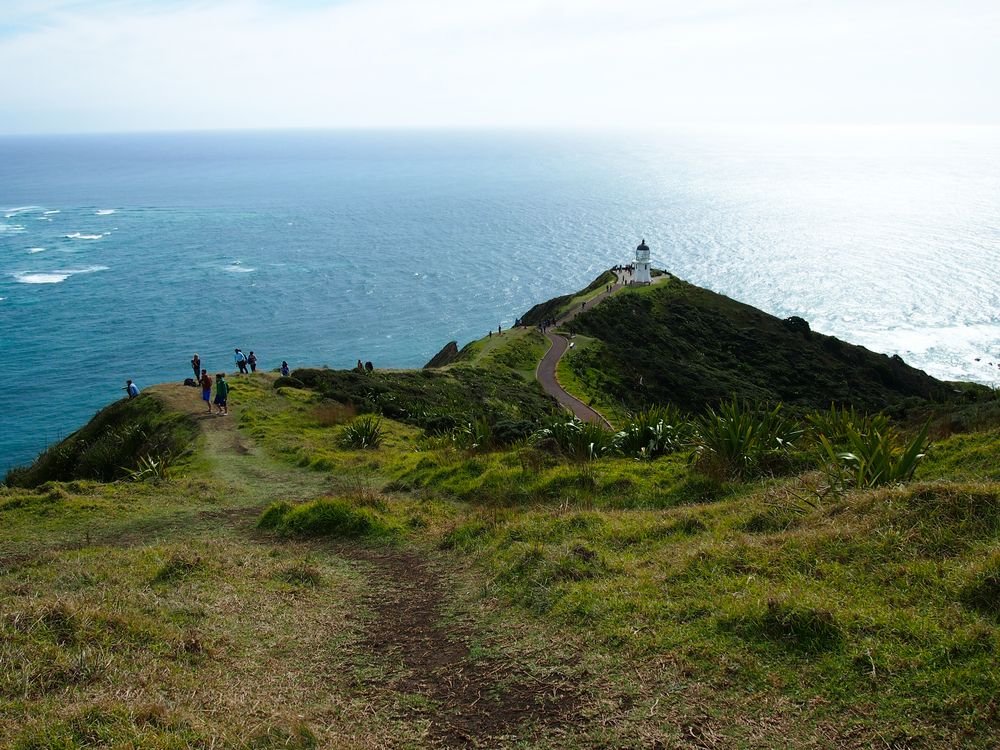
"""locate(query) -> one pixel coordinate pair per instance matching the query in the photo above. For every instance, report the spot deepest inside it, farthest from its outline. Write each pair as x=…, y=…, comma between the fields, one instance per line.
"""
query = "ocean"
x=123, y=255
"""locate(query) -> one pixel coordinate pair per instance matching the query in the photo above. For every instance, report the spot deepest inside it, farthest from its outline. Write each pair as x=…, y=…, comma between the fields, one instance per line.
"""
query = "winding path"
x=545, y=373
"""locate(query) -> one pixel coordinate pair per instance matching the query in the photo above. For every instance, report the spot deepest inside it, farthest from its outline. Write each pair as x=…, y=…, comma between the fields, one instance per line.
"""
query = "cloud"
x=118, y=65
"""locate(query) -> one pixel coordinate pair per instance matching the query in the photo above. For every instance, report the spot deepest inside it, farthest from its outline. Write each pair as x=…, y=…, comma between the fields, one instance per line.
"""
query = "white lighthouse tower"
x=641, y=275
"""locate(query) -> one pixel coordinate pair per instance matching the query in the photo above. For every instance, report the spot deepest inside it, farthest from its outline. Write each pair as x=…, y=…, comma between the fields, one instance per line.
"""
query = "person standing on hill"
x=196, y=365
x=284, y=368
x=241, y=361
x=206, y=389
x=252, y=361
x=221, y=393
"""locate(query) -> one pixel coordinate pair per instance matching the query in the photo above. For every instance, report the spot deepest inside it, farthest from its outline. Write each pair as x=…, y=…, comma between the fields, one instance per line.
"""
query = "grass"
x=129, y=438
x=745, y=610
x=330, y=517
x=558, y=306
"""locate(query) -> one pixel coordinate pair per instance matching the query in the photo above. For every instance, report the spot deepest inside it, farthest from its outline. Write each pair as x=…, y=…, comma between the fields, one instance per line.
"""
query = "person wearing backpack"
x=221, y=393
x=241, y=361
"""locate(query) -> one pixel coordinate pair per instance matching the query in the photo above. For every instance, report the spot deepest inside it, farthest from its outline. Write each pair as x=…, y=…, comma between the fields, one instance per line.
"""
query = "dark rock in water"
x=446, y=356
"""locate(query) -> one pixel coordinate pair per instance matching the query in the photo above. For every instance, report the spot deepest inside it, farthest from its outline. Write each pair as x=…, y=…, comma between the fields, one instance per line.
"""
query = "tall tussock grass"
x=363, y=433
x=741, y=439
x=874, y=454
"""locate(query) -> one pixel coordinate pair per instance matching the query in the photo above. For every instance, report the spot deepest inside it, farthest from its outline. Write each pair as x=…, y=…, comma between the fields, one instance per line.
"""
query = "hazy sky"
x=115, y=65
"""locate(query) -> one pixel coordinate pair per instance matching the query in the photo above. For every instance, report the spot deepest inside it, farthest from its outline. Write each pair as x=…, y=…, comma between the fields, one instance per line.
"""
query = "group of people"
x=205, y=380
x=360, y=367
x=244, y=361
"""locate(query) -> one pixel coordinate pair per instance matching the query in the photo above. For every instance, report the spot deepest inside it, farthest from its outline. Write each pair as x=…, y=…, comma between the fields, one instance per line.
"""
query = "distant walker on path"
x=241, y=361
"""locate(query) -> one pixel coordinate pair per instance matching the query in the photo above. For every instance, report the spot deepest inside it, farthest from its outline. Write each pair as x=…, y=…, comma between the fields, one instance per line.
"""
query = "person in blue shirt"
x=131, y=388
x=284, y=368
x=241, y=361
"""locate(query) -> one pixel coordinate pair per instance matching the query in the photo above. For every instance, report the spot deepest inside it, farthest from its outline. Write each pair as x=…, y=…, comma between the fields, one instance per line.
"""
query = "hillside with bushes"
x=677, y=343
x=442, y=558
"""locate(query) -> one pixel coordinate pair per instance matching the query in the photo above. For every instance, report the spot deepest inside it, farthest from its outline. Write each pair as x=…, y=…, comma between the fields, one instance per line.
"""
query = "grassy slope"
x=558, y=306
x=694, y=347
x=742, y=615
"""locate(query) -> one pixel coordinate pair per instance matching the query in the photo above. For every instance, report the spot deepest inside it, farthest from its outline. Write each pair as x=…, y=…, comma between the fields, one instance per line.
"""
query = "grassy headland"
x=467, y=579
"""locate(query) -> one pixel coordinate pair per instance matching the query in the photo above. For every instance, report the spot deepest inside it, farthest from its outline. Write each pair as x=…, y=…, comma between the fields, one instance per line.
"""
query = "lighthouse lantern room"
x=641, y=275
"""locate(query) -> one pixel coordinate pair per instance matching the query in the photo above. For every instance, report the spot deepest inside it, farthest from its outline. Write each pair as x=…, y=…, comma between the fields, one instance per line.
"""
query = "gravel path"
x=546, y=370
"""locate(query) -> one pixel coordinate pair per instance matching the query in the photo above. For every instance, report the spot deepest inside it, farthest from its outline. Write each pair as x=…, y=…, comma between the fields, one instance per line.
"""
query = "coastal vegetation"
x=441, y=557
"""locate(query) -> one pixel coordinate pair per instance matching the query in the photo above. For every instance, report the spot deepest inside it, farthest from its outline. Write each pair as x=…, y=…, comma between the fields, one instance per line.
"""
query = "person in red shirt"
x=206, y=389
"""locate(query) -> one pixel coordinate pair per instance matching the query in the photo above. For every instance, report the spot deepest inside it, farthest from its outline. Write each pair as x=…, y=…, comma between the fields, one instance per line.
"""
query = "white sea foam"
x=238, y=268
x=36, y=250
x=53, y=277
x=79, y=236
x=104, y=211
x=12, y=228
x=11, y=212
x=54, y=211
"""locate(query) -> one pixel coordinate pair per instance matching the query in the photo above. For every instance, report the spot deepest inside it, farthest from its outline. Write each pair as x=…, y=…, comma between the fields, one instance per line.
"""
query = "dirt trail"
x=468, y=702
x=475, y=702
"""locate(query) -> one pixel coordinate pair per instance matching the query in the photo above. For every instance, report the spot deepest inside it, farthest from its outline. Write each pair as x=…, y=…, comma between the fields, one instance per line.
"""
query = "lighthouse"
x=641, y=275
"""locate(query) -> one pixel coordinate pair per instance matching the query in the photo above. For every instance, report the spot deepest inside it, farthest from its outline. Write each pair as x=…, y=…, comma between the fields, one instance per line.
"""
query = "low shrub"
x=576, y=439
x=741, y=439
x=654, y=432
x=363, y=433
x=875, y=456
x=325, y=517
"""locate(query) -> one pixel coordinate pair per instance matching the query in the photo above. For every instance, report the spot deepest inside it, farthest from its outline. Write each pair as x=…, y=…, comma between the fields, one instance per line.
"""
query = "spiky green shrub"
x=741, y=439
x=364, y=432
x=576, y=439
x=654, y=432
x=875, y=455
x=474, y=435
x=838, y=423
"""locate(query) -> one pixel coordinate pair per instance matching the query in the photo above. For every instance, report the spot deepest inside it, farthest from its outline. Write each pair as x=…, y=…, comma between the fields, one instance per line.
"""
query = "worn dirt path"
x=465, y=702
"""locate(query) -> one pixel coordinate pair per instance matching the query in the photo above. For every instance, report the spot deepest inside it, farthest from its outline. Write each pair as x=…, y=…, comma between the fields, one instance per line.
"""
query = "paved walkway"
x=546, y=370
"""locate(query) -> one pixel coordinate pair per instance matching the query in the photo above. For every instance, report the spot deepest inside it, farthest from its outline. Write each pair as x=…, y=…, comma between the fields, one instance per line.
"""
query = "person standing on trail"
x=221, y=393
x=252, y=361
x=241, y=361
x=284, y=368
x=205, y=381
x=196, y=365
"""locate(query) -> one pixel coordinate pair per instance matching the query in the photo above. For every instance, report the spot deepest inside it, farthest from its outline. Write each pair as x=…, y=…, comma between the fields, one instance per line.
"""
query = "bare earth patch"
x=470, y=702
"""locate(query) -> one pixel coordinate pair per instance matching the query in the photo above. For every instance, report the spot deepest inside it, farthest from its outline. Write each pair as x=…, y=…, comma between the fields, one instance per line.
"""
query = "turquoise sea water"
x=121, y=256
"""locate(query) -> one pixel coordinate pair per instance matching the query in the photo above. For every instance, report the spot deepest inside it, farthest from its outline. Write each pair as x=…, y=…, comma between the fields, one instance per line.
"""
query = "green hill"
x=674, y=342
x=440, y=558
